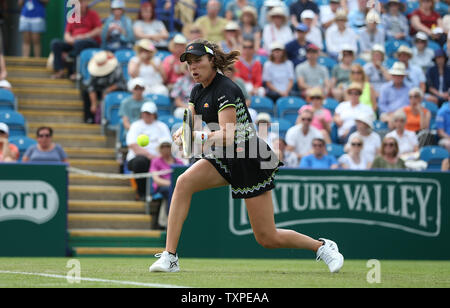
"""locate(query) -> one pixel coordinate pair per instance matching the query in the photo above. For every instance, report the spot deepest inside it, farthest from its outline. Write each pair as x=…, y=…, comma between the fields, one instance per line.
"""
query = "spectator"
x=375, y=71
x=443, y=126
x=77, y=37
x=230, y=72
x=368, y=96
x=263, y=122
x=393, y=20
x=311, y=74
x=422, y=55
x=438, y=79
x=393, y=94
x=446, y=162
x=250, y=69
x=31, y=25
x=248, y=23
x=193, y=32
x=117, y=32
x=148, y=67
x=278, y=73
x=299, y=137
x=415, y=77
x=370, y=35
x=346, y=112
x=212, y=25
x=130, y=107
x=288, y=158
x=364, y=130
x=181, y=90
x=357, y=17
x=296, y=9
x=233, y=38
x=172, y=65
x=417, y=117
x=336, y=37
x=448, y=48
x=265, y=9
x=235, y=9
x=328, y=13
x=296, y=49
x=319, y=159
x=427, y=20
x=407, y=140
x=340, y=75
x=8, y=152
x=354, y=159
x=148, y=27
x=106, y=76
x=45, y=150
x=277, y=30
x=162, y=183
x=389, y=158
x=322, y=118
x=314, y=34
x=3, y=72
x=139, y=158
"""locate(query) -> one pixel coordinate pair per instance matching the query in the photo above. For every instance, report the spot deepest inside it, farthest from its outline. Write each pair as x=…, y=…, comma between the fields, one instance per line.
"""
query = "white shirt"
x=348, y=114
x=315, y=36
x=336, y=39
x=302, y=143
x=155, y=132
x=271, y=34
x=372, y=144
x=347, y=160
x=407, y=142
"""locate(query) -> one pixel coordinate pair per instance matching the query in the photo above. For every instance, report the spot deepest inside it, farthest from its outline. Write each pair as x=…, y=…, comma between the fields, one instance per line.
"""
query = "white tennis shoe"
x=329, y=253
x=166, y=263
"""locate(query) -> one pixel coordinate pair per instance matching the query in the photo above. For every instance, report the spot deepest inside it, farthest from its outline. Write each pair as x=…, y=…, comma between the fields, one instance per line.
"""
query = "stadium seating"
x=262, y=104
x=124, y=56
x=411, y=6
x=283, y=126
x=433, y=155
x=336, y=150
x=441, y=7
x=287, y=108
x=15, y=121
x=261, y=59
x=391, y=46
x=328, y=62
x=84, y=58
x=111, y=105
x=162, y=102
x=22, y=143
x=162, y=54
x=432, y=107
x=7, y=100
x=169, y=120
x=330, y=104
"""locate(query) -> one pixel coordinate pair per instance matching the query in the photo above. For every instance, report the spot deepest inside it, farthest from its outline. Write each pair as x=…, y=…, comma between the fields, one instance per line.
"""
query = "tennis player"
x=250, y=172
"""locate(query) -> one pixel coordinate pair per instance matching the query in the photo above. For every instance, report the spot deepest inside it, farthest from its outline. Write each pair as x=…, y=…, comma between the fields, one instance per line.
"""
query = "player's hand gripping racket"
x=186, y=134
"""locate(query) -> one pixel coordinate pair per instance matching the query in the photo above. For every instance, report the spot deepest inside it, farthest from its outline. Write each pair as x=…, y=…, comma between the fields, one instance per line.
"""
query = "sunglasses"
x=354, y=93
x=415, y=96
x=356, y=144
x=317, y=145
x=307, y=119
x=357, y=72
x=316, y=97
x=44, y=136
x=248, y=47
x=389, y=144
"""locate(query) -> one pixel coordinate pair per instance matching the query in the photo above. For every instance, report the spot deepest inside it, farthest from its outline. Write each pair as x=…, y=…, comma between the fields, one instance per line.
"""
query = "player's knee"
x=183, y=183
x=269, y=241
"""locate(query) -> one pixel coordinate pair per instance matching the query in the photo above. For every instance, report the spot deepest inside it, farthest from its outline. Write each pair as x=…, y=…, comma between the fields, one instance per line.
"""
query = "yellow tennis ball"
x=142, y=140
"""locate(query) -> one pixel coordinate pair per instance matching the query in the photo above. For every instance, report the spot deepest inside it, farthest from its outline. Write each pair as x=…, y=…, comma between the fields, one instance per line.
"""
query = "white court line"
x=131, y=283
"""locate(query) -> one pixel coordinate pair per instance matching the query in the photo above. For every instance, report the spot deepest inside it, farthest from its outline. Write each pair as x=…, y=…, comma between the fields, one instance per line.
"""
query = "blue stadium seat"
x=262, y=104
x=162, y=54
x=432, y=107
x=162, y=102
x=85, y=56
x=380, y=126
x=261, y=59
x=283, y=126
x=433, y=155
x=287, y=108
x=336, y=150
x=334, y=133
x=391, y=46
x=360, y=61
x=328, y=62
x=411, y=6
x=111, y=105
x=330, y=104
x=169, y=120
x=434, y=45
x=389, y=62
x=22, y=143
x=124, y=56
x=7, y=100
x=15, y=121
x=441, y=8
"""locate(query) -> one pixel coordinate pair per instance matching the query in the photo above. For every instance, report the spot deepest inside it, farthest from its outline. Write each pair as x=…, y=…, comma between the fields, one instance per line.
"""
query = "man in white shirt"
x=340, y=35
x=314, y=34
x=328, y=12
x=299, y=137
x=407, y=140
x=139, y=158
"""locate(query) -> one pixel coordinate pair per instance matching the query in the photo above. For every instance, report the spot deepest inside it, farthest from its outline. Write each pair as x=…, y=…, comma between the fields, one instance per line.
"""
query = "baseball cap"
x=197, y=49
x=302, y=27
x=133, y=83
x=307, y=14
x=149, y=107
x=421, y=36
x=4, y=128
x=312, y=47
x=117, y=4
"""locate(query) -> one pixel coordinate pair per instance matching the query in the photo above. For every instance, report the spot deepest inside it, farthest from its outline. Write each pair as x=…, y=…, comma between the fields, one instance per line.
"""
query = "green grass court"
x=219, y=273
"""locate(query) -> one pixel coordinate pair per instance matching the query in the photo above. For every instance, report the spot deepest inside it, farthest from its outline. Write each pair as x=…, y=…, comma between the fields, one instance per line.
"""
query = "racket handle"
x=200, y=137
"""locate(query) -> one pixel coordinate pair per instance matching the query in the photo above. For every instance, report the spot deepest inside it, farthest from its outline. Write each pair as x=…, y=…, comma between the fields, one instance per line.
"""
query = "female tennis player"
x=250, y=172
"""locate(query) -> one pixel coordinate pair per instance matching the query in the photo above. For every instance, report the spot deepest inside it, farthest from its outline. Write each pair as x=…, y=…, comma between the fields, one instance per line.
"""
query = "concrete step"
x=107, y=206
x=84, y=141
x=109, y=221
x=22, y=61
x=28, y=71
x=23, y=92
x=51, y=105
x=67, y=128
x=96, y=165
x=116, y=251
x=115, y=233
x=41, y=82
x=78, y=179
x=90, y=153
x=52, y=116
x=101, y=192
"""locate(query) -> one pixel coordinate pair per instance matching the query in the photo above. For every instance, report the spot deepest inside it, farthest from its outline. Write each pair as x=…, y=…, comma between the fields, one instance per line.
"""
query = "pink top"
x=172, y=70
x=318, y=115
x=159, y=164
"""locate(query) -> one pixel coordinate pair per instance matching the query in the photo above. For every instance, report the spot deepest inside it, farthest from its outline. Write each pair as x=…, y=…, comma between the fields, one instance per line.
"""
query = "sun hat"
x=315, y=92
x=133, y=83
x=277, y=11
x=4, y=128
x=398, y=69
x=341, y=14
x=117, y=4
x=276, y=45
x=355, y=86
x=102, y=63
x=404, y=49
x=232, y=26
x=149, y=107
x=379, y=48
x=263, y=116
x=250, y=10
x=366, y=119
x=145, y=44
x=373, y=17
x=421, y=36
x=307, y=14
x=397, y=2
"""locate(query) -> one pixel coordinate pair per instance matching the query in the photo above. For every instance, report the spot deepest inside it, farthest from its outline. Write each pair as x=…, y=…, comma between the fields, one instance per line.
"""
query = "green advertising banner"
x=33, y=210
x=390, y=215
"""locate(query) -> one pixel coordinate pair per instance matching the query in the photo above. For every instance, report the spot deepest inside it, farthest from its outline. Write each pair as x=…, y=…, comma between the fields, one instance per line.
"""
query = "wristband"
x=200, y=137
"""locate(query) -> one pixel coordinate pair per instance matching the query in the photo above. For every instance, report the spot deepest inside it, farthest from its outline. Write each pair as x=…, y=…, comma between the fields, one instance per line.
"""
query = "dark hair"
x=146, y=5
x=396, y=147
x=221, y=60
x=50, y=130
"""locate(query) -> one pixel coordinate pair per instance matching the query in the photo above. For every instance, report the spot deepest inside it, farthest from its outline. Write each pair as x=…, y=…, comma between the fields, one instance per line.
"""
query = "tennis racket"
x=186, y=133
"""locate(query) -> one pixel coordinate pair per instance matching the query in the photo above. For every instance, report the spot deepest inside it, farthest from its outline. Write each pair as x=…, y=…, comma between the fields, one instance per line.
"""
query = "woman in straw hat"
x=395, y=23
x=117, y=32
x=368, y=96
x=146, y=66
x=248, y=24
x=232, y=37
x=171, y=65
x=234, y=9
x=106, y=76
x=278, y=29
